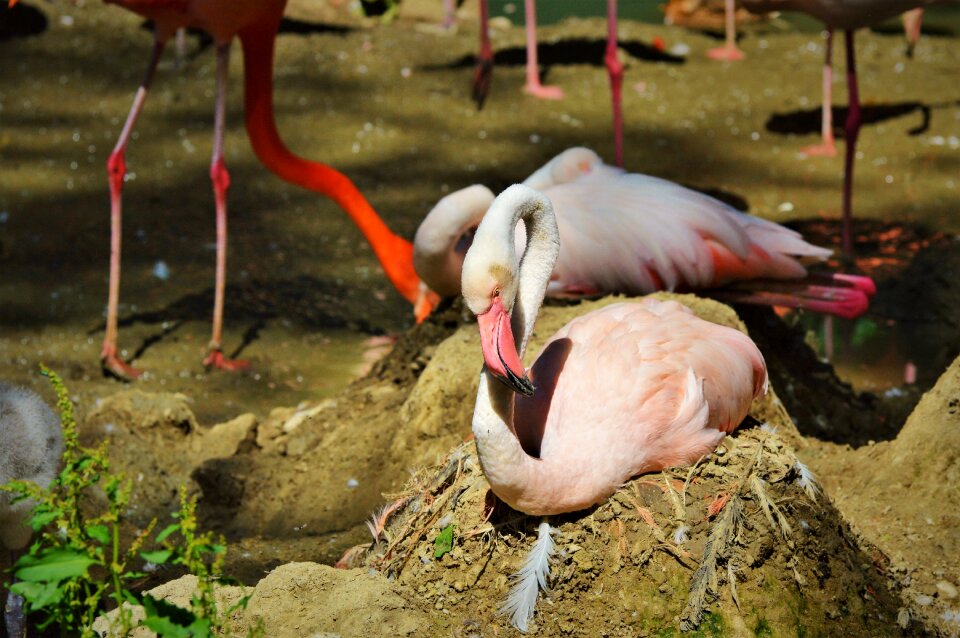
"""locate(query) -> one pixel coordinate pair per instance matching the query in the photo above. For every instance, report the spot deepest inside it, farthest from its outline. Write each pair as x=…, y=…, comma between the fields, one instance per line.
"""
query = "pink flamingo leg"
x=912, y=21
x=116, y=170
x=533, y=86
x=221, y=181
x=483, y=72
x=615, y=70
x=449, y=14
x=827, y=146
x=851, y=130
x=729, y=50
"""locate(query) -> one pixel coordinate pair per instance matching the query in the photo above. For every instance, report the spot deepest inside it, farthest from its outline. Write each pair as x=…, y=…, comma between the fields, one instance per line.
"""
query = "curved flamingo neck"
x=394, y=253
x=510, y=470
x=438, y=246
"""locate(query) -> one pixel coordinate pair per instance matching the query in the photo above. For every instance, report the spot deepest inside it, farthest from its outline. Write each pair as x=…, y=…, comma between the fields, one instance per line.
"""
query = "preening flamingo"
x=31, y=444
x=848, y=15
x=533, y=86
x=627, y=389
x=255, y=22
x=635, y=234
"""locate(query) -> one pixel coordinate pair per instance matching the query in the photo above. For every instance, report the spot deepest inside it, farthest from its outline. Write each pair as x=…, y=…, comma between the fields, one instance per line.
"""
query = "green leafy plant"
x=78, y=562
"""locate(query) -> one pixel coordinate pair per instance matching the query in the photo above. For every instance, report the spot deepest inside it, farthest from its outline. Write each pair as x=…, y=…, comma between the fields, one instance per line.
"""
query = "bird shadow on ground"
x=21, y=21
x=564, y=52
x=311, y=301
x=808, y=121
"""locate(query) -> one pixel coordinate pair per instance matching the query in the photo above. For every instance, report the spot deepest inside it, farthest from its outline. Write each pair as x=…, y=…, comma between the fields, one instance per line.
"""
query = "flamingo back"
x=637, y=234
x=644, y=386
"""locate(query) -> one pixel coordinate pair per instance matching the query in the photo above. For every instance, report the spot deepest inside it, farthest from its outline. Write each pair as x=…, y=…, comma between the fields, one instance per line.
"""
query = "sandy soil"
x=304, y=449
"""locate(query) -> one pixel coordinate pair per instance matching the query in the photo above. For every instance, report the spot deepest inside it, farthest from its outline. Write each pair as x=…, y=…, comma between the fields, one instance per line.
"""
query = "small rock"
x=946, y=589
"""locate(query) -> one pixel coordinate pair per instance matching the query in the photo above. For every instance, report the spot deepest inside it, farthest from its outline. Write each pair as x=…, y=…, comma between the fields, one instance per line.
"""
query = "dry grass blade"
x=704, y=581
x=773, y=513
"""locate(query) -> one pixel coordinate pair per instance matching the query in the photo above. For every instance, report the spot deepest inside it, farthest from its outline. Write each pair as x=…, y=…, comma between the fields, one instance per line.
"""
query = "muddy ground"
x=389, y=106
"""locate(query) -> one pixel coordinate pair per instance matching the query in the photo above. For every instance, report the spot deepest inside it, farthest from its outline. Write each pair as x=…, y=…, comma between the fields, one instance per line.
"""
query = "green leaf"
x=167, y=619
x=169, y=529
x=38, y=595
x=53, y=566
x=158, y=557
x=99, y=532
x=444, y=542
x=864, y=330
x=41, y=519
x=166, y=629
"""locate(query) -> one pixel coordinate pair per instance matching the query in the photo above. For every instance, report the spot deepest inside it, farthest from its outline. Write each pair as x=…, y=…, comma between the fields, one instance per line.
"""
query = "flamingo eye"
x=496, y=292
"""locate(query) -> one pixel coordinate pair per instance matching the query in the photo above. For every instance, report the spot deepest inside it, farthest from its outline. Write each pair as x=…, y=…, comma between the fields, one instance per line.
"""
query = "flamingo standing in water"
x=255, y=23
x=623, y=390
x=848, y=15
x=636, y=234
x=533, y=86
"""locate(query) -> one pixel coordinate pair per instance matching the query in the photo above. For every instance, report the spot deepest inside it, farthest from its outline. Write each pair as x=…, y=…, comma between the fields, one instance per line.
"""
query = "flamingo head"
x=489, y=290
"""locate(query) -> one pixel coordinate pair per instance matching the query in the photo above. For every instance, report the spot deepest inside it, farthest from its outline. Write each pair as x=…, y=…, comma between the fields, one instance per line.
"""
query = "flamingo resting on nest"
x=627, y=389
x=636, y=234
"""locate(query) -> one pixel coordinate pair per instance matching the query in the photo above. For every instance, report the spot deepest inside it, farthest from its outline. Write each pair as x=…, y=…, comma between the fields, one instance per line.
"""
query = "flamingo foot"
x=216, y=360
x=114, y=366
x=543, y=92
x=729, y=53
x=824, y=149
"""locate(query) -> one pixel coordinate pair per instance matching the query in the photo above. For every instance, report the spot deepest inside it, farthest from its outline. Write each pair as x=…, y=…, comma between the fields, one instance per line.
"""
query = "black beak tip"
x=521, y=385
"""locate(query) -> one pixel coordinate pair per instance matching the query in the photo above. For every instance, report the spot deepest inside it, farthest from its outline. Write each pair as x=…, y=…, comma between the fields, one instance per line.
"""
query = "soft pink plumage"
x=635, y=234
x=623, y=390
x=643, y=386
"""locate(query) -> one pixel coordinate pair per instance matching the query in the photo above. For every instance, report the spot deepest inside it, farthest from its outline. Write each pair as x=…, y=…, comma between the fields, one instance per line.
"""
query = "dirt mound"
x=733, y=546
x=306, y=599
x=908, y=504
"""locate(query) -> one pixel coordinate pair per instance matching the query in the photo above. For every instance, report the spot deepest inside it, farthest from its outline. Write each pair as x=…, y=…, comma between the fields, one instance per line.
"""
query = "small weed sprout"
x=77, y=562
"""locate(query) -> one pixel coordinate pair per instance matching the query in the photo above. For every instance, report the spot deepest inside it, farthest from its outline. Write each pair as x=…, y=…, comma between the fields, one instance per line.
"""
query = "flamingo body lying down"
x=627, y=389
x=636, y=234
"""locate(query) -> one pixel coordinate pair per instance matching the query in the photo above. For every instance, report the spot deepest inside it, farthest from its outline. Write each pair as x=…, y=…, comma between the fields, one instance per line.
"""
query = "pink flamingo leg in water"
x=851, y=130
x=533, y=86
x=221, y=182
x=116, y=170
x=729, y=50
x=827, y=146
x=483, y=72
x=615, y=70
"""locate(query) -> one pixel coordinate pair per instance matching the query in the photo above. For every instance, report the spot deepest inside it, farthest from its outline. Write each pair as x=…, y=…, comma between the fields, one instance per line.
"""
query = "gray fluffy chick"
x=31, y=443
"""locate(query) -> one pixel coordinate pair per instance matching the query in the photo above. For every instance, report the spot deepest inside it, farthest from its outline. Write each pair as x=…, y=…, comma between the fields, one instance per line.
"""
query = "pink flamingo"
x=848, y=15
x=533, y=86
x=627, y=389
x=636, y=234
x=255, y=22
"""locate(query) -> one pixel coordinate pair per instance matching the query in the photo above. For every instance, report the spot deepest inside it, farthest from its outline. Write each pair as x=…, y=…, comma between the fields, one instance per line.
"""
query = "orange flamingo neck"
x=394, y=253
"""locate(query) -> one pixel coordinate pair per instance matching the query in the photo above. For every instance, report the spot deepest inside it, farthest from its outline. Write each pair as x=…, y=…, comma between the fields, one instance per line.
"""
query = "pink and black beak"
x=500, y=351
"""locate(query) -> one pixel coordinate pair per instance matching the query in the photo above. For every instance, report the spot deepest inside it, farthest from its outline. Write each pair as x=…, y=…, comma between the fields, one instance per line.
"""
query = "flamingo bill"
x=500, y=350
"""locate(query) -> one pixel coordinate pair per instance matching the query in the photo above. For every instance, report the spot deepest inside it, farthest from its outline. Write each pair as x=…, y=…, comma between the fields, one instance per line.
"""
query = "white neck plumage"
x=437, y=250
x=505, y=463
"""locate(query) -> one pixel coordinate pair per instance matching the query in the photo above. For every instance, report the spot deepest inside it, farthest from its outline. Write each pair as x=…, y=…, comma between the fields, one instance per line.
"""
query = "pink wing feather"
x=636, y=234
